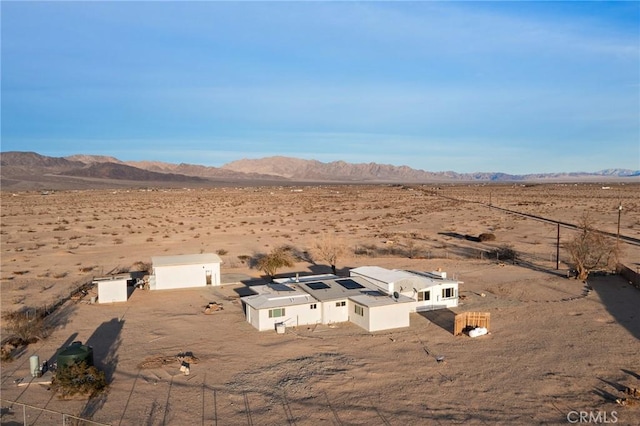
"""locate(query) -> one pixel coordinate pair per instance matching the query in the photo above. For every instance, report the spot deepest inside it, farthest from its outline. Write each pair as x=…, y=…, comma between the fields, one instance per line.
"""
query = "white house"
x=280, y=303
x=112, y=288
x=431, y=290
x=184, y=271
x=326, y=299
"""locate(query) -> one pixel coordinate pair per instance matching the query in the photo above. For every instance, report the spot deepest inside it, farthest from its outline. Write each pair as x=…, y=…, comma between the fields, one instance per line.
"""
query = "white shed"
x=112, y=288
x=185, y=271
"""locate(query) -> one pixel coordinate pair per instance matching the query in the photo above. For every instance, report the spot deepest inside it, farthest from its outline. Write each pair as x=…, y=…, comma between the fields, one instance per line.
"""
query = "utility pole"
x=618, y=234
x=558, y=248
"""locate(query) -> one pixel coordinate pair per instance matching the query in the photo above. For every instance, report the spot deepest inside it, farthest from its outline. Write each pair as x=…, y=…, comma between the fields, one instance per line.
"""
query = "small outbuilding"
x=185, y=271
x=112, y=288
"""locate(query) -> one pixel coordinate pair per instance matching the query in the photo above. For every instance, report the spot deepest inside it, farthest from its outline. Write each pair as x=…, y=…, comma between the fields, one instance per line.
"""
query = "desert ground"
x=553, y=349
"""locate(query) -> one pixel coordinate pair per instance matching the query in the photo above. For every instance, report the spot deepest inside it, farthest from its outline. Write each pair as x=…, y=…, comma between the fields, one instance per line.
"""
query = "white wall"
x=332, y=313
x=362, y=321
x=389, y=316
x=185, y=276
x=294, y=316
x=438, y=302
x=112, y=291
x=381, y=317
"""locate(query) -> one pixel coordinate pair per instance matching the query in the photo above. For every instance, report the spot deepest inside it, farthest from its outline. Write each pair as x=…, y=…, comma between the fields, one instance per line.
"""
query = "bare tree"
x=328, y=248
x=590, y=249
x=279, y=257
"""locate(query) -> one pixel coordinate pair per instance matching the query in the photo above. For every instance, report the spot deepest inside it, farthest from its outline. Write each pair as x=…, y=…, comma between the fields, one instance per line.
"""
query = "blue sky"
x=515, y=87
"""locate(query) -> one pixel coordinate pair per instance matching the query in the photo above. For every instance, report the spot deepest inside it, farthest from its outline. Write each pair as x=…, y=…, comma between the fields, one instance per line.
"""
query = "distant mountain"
x=90, y=159
x=313, y=170
x=123, y=172
x=33, y=159
x=31, y=170
x=197, y=170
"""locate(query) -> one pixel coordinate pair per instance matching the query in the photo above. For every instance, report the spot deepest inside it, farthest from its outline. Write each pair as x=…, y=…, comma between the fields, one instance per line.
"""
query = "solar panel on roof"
x=317, y=285
x=280, y=287
x=349, y=284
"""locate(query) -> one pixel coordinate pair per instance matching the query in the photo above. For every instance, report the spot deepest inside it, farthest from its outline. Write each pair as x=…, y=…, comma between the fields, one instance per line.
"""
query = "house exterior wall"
x=112, y=291
x=332, y=313
x=294, y=316
x=437, y=300
x=389, y=316
x=359, y=320
x=186, y=276
x=378, y=318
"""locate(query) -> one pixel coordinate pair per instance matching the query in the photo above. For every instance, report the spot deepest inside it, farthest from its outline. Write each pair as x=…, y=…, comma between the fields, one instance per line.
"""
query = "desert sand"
x=553, y=347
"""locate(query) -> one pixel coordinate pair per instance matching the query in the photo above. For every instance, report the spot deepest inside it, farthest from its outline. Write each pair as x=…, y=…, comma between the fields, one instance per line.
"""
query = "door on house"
x=208, y=275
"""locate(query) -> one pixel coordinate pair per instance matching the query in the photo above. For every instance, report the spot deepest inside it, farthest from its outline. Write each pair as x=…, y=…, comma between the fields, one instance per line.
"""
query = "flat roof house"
x=185, y=271
x=431, y=290
x=326, y=299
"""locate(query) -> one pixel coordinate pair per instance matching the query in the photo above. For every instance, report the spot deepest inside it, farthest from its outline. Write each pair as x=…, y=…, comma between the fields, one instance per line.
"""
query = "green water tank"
x=75, y=354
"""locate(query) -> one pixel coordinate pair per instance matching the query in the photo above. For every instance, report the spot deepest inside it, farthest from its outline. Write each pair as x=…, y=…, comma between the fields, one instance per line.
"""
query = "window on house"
x=339, y=304
x=276, y=313
x=359, y=310
x=447, y=293
x=313, y=306
x=424, y=296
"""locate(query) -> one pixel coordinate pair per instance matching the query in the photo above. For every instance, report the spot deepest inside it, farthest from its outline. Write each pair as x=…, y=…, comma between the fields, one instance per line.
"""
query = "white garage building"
x=185, y=271
x=112, y=288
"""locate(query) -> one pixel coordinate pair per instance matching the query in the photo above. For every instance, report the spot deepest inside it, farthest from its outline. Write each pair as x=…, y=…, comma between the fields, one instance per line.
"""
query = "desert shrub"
x=486, y=236
x=505, y=252
x=79, y=379
x=222, y=252
x=368, y=250
x=141, y=266
x=25, y=326
x=279, y=257
x=591, y=250
x=244, y=258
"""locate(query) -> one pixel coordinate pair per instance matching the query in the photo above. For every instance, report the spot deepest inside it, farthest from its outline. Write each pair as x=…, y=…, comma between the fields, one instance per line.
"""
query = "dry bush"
x=486, y=236
x=505, y=252
x=24, y=326
x=79, y=379
x=591, y=250
x=279, y=257
x=329, y=248
x=141, y=266
x=222, y=252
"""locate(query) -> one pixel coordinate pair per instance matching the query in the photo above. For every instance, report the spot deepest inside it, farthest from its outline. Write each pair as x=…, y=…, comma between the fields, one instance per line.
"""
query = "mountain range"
x=30, y=170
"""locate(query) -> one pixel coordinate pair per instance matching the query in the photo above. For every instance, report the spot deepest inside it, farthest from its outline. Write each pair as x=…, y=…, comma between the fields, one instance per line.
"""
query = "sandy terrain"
x=552, y=349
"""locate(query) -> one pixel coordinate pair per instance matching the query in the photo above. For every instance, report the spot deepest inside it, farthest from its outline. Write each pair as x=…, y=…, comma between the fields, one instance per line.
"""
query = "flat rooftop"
x=185, y=259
